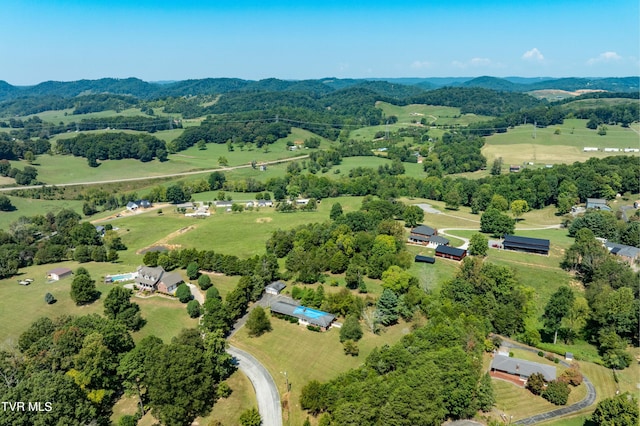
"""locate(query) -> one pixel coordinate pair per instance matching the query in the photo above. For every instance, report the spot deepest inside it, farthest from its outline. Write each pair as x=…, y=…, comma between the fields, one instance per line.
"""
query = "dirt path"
x=165, y=240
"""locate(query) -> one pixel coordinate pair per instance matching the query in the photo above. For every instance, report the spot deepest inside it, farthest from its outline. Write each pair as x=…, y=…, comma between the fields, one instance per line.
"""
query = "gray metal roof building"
x=304, y=314
x=522, y=368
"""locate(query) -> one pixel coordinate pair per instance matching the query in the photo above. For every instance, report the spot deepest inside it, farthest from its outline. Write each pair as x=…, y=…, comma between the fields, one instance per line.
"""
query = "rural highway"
x=197, y=172
x=266, y=391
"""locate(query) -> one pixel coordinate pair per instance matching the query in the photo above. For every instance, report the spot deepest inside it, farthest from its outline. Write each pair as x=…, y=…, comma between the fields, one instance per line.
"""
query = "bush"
x=557, y=392
x=350, y=348
x=540, y=353
x=535, y=383
x=571, y=376
x=510, y=354
x=223, y=390
x=49, y=298
x=313, y=328
x=204, y=281
x=193, y=308
x=183, y=293
x=549, y=356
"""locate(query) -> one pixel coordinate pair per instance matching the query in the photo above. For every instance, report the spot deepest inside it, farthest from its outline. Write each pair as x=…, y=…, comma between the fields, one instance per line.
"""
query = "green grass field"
x=517, y=145
x=31, y=207
x=56, y=169
x=308, y=356
x=165, y=318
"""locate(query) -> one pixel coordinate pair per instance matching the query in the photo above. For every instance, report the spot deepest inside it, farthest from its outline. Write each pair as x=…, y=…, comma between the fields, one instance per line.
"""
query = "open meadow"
x=518, y=146
x=57, y=169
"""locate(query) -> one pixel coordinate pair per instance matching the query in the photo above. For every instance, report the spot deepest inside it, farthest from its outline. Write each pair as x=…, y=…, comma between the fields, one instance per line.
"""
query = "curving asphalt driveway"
x=587, y=401
x=266, y=391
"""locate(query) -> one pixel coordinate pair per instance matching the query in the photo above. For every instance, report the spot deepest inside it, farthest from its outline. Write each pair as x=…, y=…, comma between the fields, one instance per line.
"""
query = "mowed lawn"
x=21, y=305
x=305, y=355
x=518, y=146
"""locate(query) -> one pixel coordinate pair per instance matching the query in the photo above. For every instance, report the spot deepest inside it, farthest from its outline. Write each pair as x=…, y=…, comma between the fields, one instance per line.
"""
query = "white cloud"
x=421, y=64
x=533, y=55
x=605, y=57
x=475, y=63
x=480, y=62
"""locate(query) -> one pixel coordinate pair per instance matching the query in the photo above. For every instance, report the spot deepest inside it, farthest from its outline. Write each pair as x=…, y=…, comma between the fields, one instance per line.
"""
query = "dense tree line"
x=385, y=389
x=611, y=316
x=27, y=176
x=52, y=238
x=562, y=185
x=369, y=240
x=261, y=131
x=477, y=100
x=604, y=224
x=623, y=114
x=458, y=154
x=113, y=146
x=136, y=122
x=82, y=365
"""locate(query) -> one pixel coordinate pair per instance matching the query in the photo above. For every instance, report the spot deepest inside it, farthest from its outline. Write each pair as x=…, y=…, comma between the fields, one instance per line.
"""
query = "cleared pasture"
x=57, y=169
x=518, y=146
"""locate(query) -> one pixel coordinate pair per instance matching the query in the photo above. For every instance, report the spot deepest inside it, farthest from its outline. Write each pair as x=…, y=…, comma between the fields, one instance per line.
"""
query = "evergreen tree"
x=486, y=397
x=387, y=307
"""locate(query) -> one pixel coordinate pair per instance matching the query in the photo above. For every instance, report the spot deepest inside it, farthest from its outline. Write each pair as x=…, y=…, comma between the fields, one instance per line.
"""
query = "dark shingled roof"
x=525, y=243
x=451, y=251
x=523, y=368
x=423, y=230
x=425, y=259
x=439, y=240
x=310, y=315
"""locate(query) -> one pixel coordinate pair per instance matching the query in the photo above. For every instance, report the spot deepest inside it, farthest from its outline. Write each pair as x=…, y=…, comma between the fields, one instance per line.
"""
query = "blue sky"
x=68, y=40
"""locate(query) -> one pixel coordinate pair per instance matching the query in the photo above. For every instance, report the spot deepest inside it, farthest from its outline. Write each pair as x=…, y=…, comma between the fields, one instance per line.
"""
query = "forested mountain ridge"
x=150, y=90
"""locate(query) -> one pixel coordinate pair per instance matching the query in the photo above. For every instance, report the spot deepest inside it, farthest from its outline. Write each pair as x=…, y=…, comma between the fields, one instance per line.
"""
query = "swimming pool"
x=123, y=277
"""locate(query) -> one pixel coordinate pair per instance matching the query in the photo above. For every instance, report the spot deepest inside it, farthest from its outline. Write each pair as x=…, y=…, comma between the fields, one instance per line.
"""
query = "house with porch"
x=520, y=369
x=154, y=279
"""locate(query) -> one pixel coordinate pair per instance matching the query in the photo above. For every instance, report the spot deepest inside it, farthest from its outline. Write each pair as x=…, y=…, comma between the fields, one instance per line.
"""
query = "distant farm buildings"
x=135, y=205
x=451, y=253
x=597, y=204
x=589, y=149
x=514, y=169
x=526, y=244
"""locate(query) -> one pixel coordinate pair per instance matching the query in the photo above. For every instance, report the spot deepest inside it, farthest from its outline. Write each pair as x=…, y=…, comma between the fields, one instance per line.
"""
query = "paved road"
x=266, y=391
x=587, y=401
x=199, y=172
